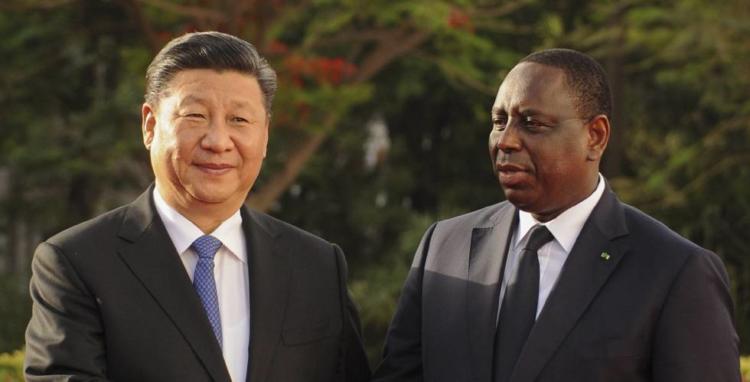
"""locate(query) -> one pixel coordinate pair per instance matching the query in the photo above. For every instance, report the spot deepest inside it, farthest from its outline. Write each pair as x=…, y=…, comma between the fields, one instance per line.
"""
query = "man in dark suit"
x=185, y=283
x=562, y=282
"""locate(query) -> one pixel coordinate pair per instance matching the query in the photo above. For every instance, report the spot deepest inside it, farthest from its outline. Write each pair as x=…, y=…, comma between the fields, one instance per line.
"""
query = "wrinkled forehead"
x=532, y=85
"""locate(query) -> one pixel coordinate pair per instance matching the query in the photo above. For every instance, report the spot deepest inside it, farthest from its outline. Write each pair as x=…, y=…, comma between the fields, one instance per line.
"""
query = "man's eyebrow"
x=530, y=112
x=240, y=104
x=192, y=99
x=521, y=111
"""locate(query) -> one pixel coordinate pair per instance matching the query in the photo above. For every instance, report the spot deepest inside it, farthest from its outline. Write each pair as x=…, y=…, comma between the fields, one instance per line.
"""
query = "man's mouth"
x=511, y=175
x=510, y=168
x=214, y=168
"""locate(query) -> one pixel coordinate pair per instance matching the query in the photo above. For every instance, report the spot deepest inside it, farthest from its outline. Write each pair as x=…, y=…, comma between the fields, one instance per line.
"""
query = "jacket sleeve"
x=402, y=355
x=695, y=337
x=64, y=338
x=354, y=366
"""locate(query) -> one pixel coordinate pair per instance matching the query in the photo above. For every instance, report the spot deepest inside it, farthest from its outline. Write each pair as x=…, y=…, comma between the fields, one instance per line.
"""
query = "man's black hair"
x=585, y=78
x=208, y=50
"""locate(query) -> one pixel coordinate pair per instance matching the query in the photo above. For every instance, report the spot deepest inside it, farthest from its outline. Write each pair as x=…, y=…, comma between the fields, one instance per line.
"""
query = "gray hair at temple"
x=208, y=50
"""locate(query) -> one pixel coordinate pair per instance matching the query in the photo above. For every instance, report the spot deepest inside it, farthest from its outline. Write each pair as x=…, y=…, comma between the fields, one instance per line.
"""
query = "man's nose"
x=509, y=140
x=217, y=137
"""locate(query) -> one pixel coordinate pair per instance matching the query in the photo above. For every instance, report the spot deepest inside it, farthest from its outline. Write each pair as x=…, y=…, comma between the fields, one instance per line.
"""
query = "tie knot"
x=206, y=246
x=540, y=236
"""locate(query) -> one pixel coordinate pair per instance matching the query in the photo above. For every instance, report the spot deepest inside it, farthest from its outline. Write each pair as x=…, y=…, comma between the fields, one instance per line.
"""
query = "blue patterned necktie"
x=204, y=283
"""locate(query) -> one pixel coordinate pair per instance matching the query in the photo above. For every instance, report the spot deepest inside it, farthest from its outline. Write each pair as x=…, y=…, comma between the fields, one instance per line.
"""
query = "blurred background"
x=381, y=120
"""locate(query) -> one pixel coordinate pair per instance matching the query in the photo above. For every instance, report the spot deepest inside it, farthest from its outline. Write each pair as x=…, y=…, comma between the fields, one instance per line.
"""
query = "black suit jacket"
x=112, y=301
x=657, y=309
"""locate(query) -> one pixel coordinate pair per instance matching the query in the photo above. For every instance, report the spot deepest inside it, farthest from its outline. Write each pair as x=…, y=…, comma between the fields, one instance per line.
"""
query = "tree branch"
x=135, y=11
x=348, y=36
x=498, y=11
x=264, y=199
x=237, y=12
x=198, y=13
x=386, y=51
x=383, y=54
x=39, y=4
x=460, y=75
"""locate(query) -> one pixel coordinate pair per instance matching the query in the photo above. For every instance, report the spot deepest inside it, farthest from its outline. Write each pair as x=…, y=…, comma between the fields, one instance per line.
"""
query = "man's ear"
x=148, y=124
x=598, y=136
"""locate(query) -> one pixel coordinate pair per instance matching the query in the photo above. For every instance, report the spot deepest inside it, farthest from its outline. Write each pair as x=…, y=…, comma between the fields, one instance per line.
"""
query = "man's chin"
x=519, y=197
x=214, y=196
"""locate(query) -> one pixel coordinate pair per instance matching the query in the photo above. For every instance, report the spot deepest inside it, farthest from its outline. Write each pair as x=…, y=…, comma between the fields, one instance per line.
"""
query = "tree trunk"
x=614, y=158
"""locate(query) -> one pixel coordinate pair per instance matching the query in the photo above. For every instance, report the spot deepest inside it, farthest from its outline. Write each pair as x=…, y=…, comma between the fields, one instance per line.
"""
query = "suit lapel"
x=269, y=289
x=152, y=258
x=584, y=274
x=487, y=253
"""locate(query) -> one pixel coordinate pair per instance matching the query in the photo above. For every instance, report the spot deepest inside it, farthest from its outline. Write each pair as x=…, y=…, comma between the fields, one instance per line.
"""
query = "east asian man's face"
x=207, y=137
x=539, y=143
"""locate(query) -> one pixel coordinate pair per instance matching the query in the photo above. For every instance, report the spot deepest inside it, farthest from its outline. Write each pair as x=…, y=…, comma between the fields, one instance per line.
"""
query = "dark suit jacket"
x=658, y=309
x=112, y=301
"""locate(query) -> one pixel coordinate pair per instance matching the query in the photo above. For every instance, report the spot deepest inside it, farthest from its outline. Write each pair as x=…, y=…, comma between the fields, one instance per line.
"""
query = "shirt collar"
x=568, y=225
x=183, y=232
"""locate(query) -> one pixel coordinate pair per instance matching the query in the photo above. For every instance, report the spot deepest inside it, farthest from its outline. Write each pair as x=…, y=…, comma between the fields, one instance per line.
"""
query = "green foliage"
x=378, y=289
x=745, y=368
x=11, y=366
x=71, y=90
x=15, y=310
x=69, y=121
x=688, y=128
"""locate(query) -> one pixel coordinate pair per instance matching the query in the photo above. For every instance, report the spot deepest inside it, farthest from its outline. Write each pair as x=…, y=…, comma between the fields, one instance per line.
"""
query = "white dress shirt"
x=565, y=228
x=230, y=272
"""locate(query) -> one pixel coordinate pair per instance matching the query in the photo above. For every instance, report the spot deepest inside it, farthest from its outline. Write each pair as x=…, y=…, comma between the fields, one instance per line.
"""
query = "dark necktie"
x=204, y=282
x=518, y=310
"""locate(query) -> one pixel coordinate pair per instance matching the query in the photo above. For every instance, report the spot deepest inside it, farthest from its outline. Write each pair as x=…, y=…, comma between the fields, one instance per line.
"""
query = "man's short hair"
x=585, y=78
x=208, y=50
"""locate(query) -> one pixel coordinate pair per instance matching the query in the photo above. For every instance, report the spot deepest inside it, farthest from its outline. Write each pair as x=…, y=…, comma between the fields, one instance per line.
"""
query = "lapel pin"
x=605, y=256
